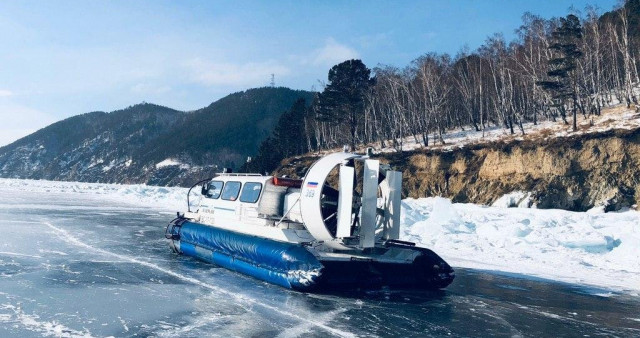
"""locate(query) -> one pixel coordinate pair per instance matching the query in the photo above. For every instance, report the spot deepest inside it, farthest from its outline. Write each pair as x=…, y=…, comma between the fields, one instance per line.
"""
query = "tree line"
x=556, y=69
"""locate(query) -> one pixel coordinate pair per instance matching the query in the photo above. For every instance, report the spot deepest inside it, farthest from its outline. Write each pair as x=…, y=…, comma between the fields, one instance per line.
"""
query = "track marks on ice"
x=69, y=238
x=304, y=328
x=33, y=323
x=18, y=254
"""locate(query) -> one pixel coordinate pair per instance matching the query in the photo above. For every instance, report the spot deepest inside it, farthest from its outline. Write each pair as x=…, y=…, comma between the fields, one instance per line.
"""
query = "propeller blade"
x=392, y=209
x=369, y=203
x=345, y=201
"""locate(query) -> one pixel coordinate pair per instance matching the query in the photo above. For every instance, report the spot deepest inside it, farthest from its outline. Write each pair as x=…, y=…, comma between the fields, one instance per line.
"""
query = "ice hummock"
x=594, y=248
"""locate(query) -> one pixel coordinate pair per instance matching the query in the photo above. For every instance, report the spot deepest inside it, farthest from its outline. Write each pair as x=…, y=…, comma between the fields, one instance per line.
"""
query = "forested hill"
x=227, y=131
x=568, y=86
x=147, y=143
x=575, y=172
x=568, y=69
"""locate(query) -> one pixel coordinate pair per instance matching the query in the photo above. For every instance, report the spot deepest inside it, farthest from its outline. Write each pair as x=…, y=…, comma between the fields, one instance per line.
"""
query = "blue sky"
x=63, y=58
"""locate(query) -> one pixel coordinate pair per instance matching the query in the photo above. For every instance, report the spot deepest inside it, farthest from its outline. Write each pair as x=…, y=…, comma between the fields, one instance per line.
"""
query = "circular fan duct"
x=329, y=213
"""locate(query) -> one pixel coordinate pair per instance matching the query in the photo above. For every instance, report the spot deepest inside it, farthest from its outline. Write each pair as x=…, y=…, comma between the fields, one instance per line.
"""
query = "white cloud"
x=5, y=93
x=232, y=74
x=332, y=53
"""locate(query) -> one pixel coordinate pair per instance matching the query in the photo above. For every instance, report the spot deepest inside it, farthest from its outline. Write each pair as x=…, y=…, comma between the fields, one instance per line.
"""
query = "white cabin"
x=308, y=211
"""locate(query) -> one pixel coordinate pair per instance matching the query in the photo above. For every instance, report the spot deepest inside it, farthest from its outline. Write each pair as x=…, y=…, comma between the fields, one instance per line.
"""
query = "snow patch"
x=109, y=166
x=170, y=199
x=95, y=162
x=515, y=199
x=169, y=162
x=601, y=249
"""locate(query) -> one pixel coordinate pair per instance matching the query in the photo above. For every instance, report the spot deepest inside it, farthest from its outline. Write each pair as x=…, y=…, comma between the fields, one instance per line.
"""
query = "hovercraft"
x=331, y=230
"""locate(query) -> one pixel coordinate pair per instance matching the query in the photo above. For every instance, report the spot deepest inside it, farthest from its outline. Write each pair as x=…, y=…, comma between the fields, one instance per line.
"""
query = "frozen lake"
x=77, y=265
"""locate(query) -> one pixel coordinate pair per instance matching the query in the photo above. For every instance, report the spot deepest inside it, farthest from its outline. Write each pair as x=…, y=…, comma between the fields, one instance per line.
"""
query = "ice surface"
x=80, y=260
x=592, y=247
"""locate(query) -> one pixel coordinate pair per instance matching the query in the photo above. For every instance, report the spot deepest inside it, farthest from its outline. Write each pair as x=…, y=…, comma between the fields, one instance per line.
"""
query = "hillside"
x=551, y=167
x=147, y=143
x=228, y=130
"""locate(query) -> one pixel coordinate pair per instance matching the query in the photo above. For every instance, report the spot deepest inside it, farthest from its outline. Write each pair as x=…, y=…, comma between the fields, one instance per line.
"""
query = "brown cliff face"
x=573, y=173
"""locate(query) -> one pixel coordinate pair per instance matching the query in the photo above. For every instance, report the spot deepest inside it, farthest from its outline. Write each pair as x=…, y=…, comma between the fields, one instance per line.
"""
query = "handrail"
x=193, y=186
x=238, y=174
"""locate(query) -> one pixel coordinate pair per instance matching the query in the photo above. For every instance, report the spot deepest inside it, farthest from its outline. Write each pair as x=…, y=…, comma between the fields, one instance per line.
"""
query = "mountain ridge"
x=149, y=143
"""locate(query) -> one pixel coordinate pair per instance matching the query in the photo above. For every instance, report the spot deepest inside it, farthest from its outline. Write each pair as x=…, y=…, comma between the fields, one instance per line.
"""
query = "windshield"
x=215, y=187
x=231, y=191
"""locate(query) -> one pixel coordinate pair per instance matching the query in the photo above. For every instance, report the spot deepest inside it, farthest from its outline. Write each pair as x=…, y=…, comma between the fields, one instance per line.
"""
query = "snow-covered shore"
x=591, y=248
x=167, y=198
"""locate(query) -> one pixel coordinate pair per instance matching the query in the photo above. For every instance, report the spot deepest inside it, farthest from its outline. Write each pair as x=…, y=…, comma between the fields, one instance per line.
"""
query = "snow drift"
x=593, y=248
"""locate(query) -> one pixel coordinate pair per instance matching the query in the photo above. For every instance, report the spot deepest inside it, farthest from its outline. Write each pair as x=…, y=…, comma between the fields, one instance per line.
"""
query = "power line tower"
x=273, y=80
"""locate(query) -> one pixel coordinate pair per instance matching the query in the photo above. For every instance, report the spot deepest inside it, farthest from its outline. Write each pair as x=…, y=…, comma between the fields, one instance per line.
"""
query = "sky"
x=64, y=58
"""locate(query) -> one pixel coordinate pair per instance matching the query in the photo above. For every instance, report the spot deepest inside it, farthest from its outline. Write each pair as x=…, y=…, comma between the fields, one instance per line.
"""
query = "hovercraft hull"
x=426, y=271
x=293, y=266
x=285, y=264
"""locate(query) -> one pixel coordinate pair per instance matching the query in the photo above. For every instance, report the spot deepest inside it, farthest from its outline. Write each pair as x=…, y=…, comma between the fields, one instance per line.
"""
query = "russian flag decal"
x=312, y=184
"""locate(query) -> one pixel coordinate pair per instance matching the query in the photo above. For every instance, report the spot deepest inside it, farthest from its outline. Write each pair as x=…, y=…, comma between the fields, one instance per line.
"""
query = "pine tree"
x=289, y=133
x=562, y=67
x=342, y=100
x=287, y=139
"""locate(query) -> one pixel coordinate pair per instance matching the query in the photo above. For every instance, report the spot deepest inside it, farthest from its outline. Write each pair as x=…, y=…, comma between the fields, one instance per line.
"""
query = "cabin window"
x=251, y=192
x=214, y=190
x=231, y=191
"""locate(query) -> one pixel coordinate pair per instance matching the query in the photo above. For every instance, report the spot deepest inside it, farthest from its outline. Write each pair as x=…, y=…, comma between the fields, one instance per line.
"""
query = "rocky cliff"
x=574, y=173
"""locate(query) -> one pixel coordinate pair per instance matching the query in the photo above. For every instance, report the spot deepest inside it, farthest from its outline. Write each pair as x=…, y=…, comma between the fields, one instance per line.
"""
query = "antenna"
x=273, y=80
